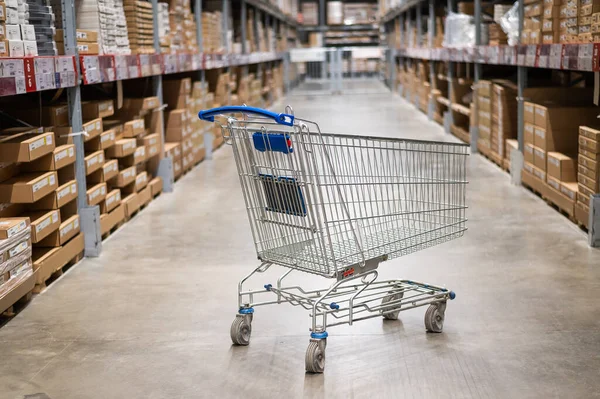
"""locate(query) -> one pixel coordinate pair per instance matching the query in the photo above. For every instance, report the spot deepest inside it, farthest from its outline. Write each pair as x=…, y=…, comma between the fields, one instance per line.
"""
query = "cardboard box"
x=553, y=183
x=555, y=196
x=94, y=161
x=589, y=154
x=122, y=148
x=60, y=157
x=156, y=186
x=529, y=112
x=173, y=150
x=67, y=230
x=108, y=171
x=569, y=190
x=26, y=147
x=141, y=181
x=590, y=133
x=589, y=144
x=43, y=223
x=97, y=109
x=48, y=260
x=588, y=163
x=139, y=104
x=110, y=220
x=28, y=188
x=590, y=173
x=592, y=184
x=126, y=177
x=561, y=167
x=105, y=140
x=133, y=128
x=64, y=194
x=145, y=196
x=92, y=129
x=96, y=194
x=528, y=133
x=539, y=158
x=152, y=145
x=112, y=200
x=8, y=170
x=132, y=204
x=10, y=227
x=11, y=210
x=528, y=153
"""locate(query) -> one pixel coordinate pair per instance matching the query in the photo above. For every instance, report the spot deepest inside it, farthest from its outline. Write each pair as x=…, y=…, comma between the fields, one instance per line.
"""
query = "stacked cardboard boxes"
x=18, y=21
x=484, y=98
x=588, y=171
x=37, y=181
x=182, y=27
x=87, y=42
x=164, y=27
x=212, y=31
x=16, y=267
x=310, y=13
x=140, y=30
x=504, y=117
x=532, y=24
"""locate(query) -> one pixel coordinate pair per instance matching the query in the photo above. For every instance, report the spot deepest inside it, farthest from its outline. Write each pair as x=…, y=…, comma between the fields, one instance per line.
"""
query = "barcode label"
x=16, y=229
x=60, y=155
x=18, y=249
x=37, y=144
x=67, y=229
x=63, y=193
x=41, y=184
x=45, y=223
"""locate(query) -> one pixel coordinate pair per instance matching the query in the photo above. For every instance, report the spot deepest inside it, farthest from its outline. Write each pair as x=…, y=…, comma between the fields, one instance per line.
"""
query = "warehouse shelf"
x=338, y=28
x=31, y=74
x=109, y=68
x=574, y=57
x=271, y=10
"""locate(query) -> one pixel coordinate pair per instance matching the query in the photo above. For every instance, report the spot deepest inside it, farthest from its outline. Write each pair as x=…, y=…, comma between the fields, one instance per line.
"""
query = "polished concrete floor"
x=150, y=318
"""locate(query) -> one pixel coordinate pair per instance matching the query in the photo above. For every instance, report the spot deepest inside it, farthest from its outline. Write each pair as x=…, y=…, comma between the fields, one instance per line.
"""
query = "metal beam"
x=474, y=131
x=89, y=216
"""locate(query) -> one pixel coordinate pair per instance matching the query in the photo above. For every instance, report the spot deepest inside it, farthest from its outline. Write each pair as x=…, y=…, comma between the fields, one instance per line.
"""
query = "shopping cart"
x=336, y=206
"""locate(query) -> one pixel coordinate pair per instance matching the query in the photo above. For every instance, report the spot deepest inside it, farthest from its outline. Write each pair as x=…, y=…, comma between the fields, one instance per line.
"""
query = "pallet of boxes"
x=17, y=280
x=37, y=182
x=550, y=151
x=588, y=172
x=136, y=153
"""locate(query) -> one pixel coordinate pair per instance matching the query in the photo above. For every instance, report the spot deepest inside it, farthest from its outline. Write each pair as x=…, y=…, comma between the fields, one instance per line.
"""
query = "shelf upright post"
x=431, y=35
x=321, y=15
x=419, y=17
x=226, y=6
x=516, y=158
x=474, y=130
x=244, y=22
x=269, y=23
x=286, y=58
x=402, y=46
x=448, y=119
x=165, y=166
x=199, y=37
x=89, y=215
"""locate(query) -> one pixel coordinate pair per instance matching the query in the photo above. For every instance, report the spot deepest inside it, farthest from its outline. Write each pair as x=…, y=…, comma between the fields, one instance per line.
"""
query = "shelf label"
x=543, y=56
x=555, y=57
x=531, y=55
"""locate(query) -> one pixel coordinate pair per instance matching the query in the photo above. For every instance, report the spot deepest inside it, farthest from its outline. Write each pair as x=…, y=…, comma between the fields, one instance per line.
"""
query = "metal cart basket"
x=336, y=206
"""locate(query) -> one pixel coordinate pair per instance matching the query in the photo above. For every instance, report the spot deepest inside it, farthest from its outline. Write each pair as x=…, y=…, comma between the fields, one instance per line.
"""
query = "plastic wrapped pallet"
x=15, y=253
x=460, y=31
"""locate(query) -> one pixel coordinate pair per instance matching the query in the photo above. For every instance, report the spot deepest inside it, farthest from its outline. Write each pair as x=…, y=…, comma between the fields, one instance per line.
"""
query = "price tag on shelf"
x=133, y=66
x=170, y=61
x=521, y=55
x=11, y=67
x=157, y=64
x=66, y=79
x=107, y=68
x=530, y=55
x=43, y=65
x=493, y=54
x=121, y=68
x=90, y=69
x=543, y=57
x=196, y=62
x=555, y=57
x=585, y=57
x=145, y=67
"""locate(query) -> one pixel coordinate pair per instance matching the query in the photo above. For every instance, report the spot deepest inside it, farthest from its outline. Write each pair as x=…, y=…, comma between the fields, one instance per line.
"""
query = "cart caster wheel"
x=434, y=318
x=315, y=356
x=392, y=314
x=241, y=329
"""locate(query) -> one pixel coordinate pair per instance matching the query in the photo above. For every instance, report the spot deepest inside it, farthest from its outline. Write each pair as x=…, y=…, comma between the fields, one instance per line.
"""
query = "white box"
x=15, y=48
x=30, y=48
x=12, y=16
x=2, y=31
x=12, y=32
x=27, y=32
x=11, y=68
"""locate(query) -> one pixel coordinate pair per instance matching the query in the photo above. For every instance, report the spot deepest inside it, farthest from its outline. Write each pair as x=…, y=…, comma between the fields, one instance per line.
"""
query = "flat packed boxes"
x=140, y=26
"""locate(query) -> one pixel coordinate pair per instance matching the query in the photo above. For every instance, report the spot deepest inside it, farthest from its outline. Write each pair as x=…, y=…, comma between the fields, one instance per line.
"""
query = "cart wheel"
x=392, y=314
x=241, y=329
x=315, y=356
x=434, y=318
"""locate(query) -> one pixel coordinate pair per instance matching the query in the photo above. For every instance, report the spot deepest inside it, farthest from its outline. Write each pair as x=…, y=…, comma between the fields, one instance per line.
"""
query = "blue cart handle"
x=282, y=119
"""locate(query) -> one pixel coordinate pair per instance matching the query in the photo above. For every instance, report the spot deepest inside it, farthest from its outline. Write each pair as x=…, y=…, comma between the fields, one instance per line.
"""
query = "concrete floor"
x=150, y=318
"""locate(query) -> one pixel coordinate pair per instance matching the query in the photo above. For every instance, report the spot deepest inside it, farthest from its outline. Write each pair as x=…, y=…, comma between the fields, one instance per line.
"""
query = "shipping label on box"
x=10, y=227
x=64, y=155
x=94, y=161
x=126, y=176
x=113, y=199
x=96, y=194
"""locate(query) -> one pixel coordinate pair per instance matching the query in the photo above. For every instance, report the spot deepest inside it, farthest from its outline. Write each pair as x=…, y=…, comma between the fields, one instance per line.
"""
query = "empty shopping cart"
x=337, y=206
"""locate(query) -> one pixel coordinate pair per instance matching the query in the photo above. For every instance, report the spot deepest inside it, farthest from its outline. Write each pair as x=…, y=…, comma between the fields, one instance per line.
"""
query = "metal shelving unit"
x=73, y=71
x=567, y=57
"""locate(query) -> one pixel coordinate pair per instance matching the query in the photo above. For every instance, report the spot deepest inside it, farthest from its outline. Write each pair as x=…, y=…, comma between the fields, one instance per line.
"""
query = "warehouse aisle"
x=151, y=317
